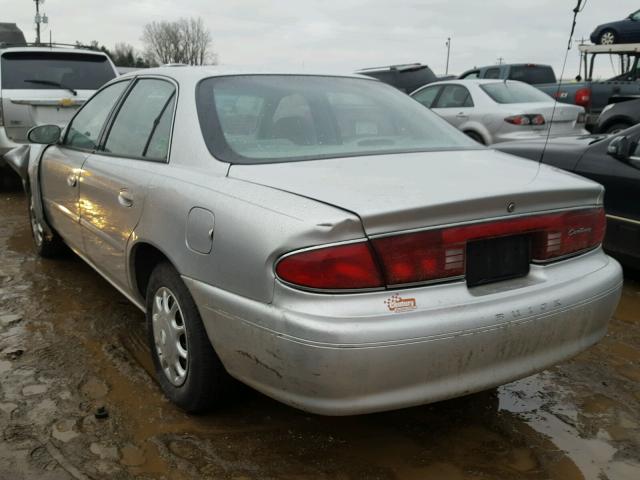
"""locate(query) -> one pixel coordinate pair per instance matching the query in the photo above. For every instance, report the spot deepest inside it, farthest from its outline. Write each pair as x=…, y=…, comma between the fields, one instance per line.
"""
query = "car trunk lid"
x=392, y=193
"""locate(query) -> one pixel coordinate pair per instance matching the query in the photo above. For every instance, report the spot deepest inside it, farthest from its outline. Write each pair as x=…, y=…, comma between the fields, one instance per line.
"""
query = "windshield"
x=54, y=70
x=274, y=118
x=514, y=92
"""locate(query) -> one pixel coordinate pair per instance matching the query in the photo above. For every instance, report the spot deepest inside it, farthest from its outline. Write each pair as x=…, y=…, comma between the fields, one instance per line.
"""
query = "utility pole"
x=500, y=60
x=448, y=54
x=39, y=19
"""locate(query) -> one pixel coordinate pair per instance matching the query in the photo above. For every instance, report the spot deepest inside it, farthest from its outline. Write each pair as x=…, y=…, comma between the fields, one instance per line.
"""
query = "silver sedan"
x=492, y=111
x=324, y=239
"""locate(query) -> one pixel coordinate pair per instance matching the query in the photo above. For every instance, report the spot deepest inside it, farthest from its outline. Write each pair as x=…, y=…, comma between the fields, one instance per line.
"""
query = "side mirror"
x=620, y=148
x=45, y=134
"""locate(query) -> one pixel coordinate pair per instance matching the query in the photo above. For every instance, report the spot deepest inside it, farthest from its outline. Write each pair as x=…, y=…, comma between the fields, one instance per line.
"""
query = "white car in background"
x=491, y=111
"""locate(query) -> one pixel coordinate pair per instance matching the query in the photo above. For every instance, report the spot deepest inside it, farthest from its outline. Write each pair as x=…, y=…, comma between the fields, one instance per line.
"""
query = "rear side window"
x=426, y=96
x=85, y=128
x=454, y=96
x=143, y=124
x=532, y=74
x=492, y=73
x=54, y=70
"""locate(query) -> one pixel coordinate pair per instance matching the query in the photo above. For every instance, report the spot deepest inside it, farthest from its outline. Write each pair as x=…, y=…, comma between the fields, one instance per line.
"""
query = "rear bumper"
x=348, y=354
x=536, y=134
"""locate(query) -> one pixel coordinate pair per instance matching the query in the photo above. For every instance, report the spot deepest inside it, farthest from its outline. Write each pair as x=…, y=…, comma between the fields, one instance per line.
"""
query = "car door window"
x=427, y=95
x=492, y=73
x=142, y=126
x=454, y=96
x=85, y=128
x=636, y=16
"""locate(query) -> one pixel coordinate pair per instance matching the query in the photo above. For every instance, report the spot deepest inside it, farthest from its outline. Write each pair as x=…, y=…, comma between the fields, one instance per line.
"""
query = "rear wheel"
x=608, y=37
x=47, y=245
x=475, y=136
x=616, y=128
x=187, y=368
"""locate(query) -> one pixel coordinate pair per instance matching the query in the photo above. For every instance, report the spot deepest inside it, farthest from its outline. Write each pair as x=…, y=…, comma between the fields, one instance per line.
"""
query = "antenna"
x=576, y=11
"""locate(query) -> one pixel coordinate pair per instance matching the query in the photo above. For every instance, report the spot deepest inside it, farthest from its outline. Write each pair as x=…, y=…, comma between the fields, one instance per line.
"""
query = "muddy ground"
x=70, y=344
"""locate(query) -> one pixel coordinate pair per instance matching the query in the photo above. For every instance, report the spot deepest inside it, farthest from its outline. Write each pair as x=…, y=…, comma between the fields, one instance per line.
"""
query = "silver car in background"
x=324, y=239
x=45, y=85
x=492, y=111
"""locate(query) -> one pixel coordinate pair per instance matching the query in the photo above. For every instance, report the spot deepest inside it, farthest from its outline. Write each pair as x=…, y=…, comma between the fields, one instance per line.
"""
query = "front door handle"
x=72, y=180
x=125, y=198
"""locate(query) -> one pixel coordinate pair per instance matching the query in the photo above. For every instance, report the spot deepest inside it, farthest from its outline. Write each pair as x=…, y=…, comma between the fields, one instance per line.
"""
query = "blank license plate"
x=498, y=259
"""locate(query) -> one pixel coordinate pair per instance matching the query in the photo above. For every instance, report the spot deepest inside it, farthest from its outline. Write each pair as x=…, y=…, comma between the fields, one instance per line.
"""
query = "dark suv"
x=407, y=78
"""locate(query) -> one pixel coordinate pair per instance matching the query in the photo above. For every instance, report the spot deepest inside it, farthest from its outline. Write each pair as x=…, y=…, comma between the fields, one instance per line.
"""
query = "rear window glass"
x=275, y=118
x=406, y=79
x=52, y=70
x=514, y=92
x=532, y=74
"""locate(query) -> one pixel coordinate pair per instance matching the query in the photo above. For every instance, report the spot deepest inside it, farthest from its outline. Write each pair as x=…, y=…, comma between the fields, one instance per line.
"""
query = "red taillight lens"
x=440, y=254
x=569, y=233
x=583, y=97
x=533, y=119
x=420, y=257
x=342, y=267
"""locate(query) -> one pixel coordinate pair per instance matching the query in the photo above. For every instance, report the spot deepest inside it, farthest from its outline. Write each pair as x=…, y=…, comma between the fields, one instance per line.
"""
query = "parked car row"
x=329, y=240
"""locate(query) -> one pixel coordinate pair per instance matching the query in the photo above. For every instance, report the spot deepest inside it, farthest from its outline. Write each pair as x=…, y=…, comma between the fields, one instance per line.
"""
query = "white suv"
x=43, y=85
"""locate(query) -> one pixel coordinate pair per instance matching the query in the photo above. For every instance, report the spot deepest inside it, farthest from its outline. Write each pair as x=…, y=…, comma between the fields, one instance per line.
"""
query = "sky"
x=343, y=35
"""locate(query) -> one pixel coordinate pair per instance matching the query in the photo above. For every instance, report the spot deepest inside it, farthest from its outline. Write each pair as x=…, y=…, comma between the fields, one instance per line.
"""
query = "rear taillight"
x=534, y=119
x=341, y=267
x=439, y=254
x=583, y=97
x=1, y=114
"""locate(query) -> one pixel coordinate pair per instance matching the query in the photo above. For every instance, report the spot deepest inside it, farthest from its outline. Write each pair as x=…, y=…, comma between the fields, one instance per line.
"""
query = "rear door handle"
x=462, y=115
x=125, y=198
x=72, y=180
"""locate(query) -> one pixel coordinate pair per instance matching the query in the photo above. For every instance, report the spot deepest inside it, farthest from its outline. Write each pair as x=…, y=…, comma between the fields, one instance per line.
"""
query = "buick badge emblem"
x=511, y=207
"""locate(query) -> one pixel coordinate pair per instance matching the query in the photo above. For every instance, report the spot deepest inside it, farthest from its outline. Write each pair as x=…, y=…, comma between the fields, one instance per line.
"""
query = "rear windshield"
x=275, y=118
x=406, y=79
x=533, y=74
x=514, y=92
x=52, y=70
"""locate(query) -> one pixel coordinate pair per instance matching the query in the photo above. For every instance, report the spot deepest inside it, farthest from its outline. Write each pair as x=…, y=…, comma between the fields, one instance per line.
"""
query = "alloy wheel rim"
x=607, y=38
x=170, y=336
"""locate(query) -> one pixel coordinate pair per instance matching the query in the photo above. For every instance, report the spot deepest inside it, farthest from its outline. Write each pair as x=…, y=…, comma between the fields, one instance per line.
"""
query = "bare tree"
x=181, y=41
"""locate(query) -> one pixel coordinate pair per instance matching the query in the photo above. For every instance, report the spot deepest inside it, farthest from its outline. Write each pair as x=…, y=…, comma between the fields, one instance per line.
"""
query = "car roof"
x=472, y=81
x=195, y=73
x=29, y=49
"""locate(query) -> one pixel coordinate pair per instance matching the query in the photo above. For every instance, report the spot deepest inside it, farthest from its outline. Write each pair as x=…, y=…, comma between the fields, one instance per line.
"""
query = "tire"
x=475, y=136
x=616, y=128
x=47, y=246
x=608, y=37
x=201, y=380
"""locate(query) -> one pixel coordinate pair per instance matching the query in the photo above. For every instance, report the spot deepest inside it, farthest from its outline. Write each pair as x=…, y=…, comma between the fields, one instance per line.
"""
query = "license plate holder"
x=497, y=259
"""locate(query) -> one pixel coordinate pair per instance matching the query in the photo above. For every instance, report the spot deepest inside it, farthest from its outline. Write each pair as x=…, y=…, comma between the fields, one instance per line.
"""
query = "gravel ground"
x=71, y=347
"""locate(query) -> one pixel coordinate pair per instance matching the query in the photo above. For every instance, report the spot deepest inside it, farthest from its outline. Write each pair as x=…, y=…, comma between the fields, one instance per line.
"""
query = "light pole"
x=448, y=54
x=39, y=19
